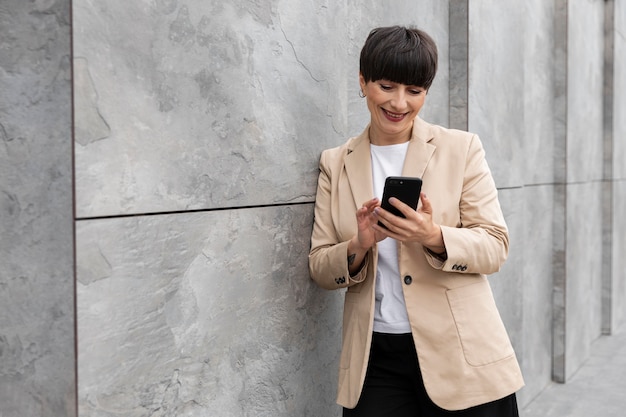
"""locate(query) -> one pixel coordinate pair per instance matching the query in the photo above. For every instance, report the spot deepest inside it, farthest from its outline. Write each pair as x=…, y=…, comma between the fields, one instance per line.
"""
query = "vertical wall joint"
x=559, y=312
x=458, y=55
x=607, y=172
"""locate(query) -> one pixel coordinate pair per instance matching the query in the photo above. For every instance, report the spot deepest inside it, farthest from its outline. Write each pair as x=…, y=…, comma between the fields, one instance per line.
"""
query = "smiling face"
x=392, y=106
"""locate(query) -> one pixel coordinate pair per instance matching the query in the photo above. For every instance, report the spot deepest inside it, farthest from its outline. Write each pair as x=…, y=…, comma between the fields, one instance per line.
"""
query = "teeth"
x=394, y=115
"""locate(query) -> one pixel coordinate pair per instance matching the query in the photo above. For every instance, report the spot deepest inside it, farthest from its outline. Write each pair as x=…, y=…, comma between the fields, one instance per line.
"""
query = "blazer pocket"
x=482, y=334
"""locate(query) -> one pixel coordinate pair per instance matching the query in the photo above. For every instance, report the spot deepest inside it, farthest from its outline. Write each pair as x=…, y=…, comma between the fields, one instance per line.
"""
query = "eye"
x=385, y=87
x=416, y=92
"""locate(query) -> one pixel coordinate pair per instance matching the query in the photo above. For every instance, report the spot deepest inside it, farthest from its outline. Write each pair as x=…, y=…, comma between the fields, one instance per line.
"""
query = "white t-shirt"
x=390, y=314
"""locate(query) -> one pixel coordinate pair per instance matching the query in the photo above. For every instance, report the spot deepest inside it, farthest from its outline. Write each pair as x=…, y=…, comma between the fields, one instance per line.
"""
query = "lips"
x=394, y=117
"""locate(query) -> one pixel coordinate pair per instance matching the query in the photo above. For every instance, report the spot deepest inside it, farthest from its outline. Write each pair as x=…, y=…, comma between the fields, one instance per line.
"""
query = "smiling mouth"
x=394, y=116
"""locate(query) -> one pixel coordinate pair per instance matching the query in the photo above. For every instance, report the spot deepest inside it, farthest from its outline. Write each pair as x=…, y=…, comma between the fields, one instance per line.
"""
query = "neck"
x=381, y=139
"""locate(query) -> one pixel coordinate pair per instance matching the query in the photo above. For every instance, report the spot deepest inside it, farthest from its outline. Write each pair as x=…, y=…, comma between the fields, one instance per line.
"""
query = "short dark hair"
x=401, y=55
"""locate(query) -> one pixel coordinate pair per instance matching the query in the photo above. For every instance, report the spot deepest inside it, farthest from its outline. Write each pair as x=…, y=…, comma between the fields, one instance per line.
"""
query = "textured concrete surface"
x=495, y=79
x=203, y=104
x=196, y=313
x=584, y=285
x=619, y=254
x=619, y=167
x=584, y=171
x=538, y=19
x=36, y=272
x=505, y=284
x=619, y=84
x=536, y=262
x=584, y=105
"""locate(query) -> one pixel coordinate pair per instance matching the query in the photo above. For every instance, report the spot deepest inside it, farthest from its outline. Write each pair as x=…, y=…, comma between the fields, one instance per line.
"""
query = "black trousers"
x=394, y=387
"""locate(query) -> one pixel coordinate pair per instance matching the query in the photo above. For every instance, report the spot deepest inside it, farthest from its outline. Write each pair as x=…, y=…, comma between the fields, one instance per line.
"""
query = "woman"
x=421, y=332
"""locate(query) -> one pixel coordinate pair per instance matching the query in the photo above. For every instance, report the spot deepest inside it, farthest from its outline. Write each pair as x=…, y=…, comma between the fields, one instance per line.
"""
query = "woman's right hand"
x=367, y=236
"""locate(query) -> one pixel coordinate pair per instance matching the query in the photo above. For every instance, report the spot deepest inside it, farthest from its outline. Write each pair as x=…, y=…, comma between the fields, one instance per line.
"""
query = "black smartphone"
x=405, y=189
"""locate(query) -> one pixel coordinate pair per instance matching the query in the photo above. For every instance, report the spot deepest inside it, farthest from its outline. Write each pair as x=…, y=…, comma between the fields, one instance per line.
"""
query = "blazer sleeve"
x=328, y=258
x=481, y=242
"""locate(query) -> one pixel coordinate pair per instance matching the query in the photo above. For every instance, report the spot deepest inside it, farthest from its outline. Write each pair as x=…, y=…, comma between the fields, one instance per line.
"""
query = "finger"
x=382, y=232
x=369, y=205
x=404, y=208
x=390, y=221
x=381, y=215
x=362, y=215
x=426, y=206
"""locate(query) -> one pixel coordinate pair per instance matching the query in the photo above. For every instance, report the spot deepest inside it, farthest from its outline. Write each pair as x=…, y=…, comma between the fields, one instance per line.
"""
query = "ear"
x=362, y=82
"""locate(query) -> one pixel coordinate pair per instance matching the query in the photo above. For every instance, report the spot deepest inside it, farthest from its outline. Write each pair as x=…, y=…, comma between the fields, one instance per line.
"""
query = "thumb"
x=426, y=206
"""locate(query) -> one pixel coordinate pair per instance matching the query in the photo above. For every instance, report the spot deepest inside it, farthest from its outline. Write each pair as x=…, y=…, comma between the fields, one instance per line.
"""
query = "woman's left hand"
x=417, y=226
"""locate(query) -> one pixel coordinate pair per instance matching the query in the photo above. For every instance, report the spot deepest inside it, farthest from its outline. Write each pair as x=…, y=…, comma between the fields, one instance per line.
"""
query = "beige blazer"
x=465, y=354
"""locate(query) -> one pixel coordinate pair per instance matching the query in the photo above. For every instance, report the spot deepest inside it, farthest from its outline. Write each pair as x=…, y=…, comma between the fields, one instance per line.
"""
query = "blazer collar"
x=358, y=162
x=420, y=149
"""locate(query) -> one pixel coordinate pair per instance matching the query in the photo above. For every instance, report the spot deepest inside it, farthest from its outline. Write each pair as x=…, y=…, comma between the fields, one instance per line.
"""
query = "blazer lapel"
x=358, y=166
x=420, y=151
x=358, y=163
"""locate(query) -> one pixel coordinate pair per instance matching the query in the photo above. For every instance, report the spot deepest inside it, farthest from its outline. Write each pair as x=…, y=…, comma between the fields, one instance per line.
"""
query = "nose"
x=398, y=100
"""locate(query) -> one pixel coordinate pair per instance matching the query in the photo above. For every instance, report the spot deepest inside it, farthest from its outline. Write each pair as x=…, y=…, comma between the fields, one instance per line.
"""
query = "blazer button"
x=408, y=280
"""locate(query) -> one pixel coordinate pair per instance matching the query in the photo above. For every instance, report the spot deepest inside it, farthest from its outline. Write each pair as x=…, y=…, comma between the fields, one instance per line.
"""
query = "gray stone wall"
x=193, y=156
x=583, y=179
x=618, y=167
x=203, y=313
x=37, y=357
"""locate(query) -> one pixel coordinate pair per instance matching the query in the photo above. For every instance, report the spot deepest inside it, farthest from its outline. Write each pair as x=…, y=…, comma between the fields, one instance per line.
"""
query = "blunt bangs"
x=401, y=55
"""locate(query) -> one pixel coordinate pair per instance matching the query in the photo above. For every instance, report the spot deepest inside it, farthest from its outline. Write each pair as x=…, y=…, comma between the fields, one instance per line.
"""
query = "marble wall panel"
x=618, y=293
x=619, y=167
x=507, y=285
x=202, y=314
x=496, y=82
x=585, y=33
x=523, y=288
x=607, y=168
x=204, y=104
x=537, y=289
x=458, y=57
x=583, y=272
x=537, y=156
x=37, y=377
x=560, y=104
x=619, y=85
